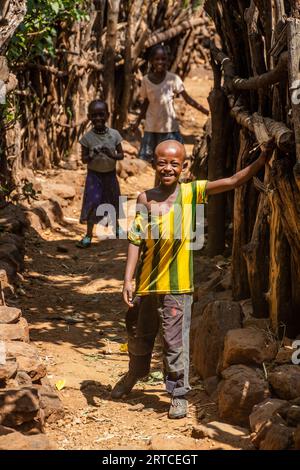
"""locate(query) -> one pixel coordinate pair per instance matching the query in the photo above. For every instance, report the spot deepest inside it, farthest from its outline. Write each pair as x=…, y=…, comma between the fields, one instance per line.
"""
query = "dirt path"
x=72, y=300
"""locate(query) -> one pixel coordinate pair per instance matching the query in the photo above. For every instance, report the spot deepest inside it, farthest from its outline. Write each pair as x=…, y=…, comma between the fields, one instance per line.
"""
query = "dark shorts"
x=171, y=315
x=151, y=140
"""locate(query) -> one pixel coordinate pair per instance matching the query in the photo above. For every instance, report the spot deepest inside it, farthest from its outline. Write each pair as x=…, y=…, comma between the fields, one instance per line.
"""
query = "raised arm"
x=239, y=178
x=189, y=100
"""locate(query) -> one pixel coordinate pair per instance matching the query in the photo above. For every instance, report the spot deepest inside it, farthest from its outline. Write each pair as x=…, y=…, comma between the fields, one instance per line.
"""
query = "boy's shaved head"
x=170, y=148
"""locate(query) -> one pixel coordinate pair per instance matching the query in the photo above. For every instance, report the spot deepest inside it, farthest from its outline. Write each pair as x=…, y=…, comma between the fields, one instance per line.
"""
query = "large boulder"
x=248, y=346
x=27, y=358
x=285, y=381
x=15, y=332
x=217, y=319
x=18, y=406
x=297, y=438
x=241, y=388
x=293, y=416
x=278, y=437
x=284, y=355
x=264, y=411
x=9, y=314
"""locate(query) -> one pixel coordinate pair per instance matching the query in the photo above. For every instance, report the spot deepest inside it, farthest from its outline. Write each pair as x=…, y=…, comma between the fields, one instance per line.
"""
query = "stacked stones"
x=27, y=399
x=249, y=373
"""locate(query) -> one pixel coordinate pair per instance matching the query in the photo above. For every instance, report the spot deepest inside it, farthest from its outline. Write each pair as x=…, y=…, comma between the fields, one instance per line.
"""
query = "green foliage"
x=37, y=35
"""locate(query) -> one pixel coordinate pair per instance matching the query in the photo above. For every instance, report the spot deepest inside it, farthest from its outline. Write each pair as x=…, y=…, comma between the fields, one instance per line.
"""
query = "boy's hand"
x=127, y=293
x=95, y=151
x=107, y=151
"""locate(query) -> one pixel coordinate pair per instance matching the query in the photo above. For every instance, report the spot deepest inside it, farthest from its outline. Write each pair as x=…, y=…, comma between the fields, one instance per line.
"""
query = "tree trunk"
x=240, y=284
x=110, y=56
x=216, y=169
x=294, y=81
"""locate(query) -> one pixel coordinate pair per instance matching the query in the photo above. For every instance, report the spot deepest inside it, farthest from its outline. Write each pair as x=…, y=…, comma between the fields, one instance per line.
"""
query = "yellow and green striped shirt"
x=166, y=262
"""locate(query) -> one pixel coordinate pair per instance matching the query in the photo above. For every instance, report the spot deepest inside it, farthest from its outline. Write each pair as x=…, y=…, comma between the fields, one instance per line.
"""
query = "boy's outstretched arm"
x=241, y=177
x=189, y=100
x=132, y=259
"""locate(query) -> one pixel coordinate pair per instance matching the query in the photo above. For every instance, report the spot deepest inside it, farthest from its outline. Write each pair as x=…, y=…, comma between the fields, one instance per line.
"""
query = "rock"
x=293, y=416
x=262, y=412
x=17, y=441
x=8, y=369
x=28, y=359
x=11, y=254
x=211, y=385
x=9, y=314
x=296, y=401
x=197, y=310
x=15, y=332
x=217, y=319
x=12, y=219
x=223, y=432
x=165, y=443
x=284, y=355
x=62, y=249
x=285, y=381
x=249, y=321
x=247, y=346
x=226, y=282
x=297, y=438
x=278, y=437
x=17, y=406
x=10, y=272
x=241, y=388
x=61, y=190
x=205, y=287
x=51, y=406
x=49, y=212
x=5, y=430
x=23, y=379
x=260, y=436
x=257, y=323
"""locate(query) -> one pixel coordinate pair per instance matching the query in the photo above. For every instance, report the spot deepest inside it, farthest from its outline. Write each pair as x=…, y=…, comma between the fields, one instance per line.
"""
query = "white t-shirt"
x=160, y=115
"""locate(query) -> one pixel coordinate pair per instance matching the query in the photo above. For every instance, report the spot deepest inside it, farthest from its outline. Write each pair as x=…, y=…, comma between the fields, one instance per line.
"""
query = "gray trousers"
x=171, y=314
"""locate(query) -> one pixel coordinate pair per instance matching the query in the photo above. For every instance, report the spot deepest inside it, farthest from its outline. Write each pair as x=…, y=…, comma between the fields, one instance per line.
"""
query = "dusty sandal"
x=84, y=243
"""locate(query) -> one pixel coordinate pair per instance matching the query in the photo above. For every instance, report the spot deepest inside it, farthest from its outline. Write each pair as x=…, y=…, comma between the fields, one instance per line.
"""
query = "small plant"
x=28, y=191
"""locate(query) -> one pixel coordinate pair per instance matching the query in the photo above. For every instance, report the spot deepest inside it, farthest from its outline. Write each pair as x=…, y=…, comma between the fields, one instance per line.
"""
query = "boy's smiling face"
x=169, y=162
x=98, y=115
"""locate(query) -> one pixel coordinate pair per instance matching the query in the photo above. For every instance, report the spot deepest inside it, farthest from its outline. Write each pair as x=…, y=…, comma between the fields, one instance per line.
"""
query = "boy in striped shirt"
x=161, y=238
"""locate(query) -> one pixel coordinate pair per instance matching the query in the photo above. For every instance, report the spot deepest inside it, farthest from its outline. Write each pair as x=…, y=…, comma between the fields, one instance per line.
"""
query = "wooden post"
x=293, y=34
x=279, y=295
x=220, y=122
x=110, y=54
x=256, y=254
x=240, y=284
